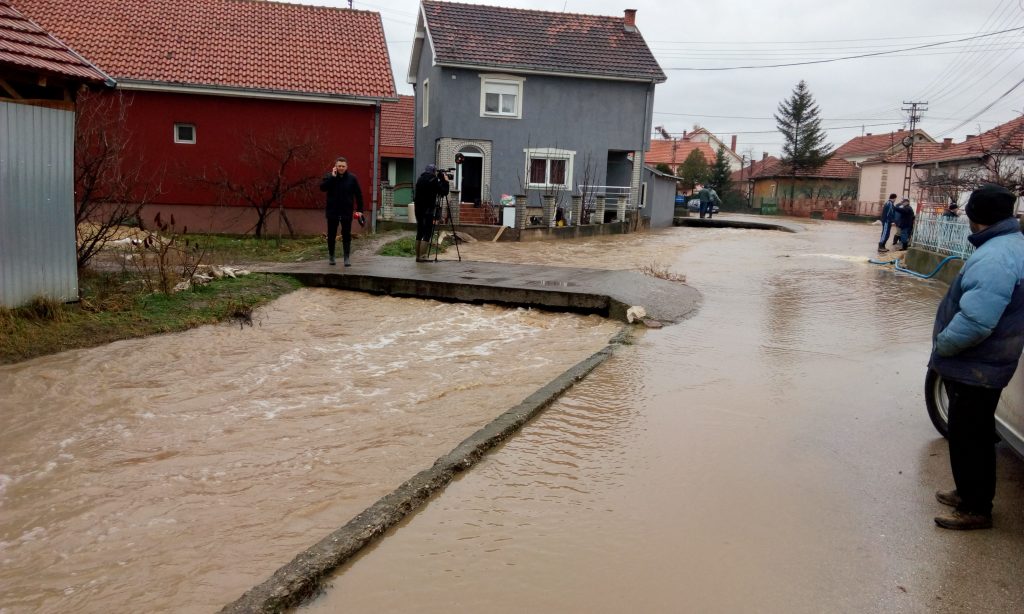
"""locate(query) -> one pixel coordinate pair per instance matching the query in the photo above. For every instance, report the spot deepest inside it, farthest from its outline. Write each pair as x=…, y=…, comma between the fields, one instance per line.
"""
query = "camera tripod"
x=442, y=211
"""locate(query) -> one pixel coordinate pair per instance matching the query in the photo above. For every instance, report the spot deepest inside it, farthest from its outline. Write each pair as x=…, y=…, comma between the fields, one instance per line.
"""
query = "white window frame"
x=426, y=103
x=183, y=141
x=550, y=153
x=501, y=80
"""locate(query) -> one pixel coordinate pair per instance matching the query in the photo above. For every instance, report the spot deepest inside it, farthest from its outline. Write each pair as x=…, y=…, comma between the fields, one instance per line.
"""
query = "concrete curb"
x=730, y=223
x=292, y=584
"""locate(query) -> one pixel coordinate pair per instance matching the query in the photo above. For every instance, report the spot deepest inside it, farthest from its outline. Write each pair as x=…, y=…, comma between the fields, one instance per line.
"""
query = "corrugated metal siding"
x=37, y=220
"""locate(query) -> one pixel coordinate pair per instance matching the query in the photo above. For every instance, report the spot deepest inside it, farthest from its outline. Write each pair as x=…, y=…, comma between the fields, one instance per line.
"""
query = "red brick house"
x=218, y=94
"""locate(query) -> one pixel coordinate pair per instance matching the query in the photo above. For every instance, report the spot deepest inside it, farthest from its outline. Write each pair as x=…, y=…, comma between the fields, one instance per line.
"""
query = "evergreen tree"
x=693, y=170
x=720, y=173
x=805, y=148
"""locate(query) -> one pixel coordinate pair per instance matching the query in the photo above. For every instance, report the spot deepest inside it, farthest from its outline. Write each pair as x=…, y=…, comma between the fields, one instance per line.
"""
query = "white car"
x=1009, y=413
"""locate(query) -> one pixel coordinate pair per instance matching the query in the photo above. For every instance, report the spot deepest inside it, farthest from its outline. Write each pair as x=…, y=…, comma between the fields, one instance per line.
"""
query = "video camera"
x=445, y=173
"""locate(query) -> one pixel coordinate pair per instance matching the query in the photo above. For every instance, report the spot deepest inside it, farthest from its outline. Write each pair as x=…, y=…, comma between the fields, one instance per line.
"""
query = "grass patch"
x=232, y=249
x=114, y=306
x=406, y=247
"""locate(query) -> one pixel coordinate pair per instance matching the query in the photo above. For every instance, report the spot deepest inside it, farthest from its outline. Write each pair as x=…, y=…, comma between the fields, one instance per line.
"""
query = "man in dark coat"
x=888, y=217
x=977, y=342
x=905, y=221
x=429, y=186
x=343, y=192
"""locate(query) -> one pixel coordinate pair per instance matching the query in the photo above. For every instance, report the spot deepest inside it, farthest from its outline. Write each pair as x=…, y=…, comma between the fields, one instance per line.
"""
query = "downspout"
x=643, y=143
x=376, y=167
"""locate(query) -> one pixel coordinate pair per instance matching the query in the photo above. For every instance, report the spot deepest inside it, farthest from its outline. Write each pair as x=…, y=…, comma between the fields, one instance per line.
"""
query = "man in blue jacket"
x=977, y=342
x=888, y=217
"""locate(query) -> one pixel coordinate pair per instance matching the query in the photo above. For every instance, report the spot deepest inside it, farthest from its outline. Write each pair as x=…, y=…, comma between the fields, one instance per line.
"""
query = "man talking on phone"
x=343, y=192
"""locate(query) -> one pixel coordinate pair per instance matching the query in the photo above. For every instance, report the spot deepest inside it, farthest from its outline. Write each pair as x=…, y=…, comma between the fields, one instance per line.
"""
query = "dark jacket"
x=889, y=212
x=979, y=327
x=428, y=188
x=905, y=216
x=341, y=190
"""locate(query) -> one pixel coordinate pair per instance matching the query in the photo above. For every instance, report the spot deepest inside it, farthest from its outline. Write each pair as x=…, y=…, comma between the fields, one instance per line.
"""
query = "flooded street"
x=171, y=474
x=770, y=454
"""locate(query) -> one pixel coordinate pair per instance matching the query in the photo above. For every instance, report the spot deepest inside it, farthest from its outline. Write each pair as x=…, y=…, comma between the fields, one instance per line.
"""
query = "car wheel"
x=937, y=400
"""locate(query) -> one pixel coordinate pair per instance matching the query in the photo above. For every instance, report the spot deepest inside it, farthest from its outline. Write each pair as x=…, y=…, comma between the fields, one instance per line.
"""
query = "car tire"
x=937, y=400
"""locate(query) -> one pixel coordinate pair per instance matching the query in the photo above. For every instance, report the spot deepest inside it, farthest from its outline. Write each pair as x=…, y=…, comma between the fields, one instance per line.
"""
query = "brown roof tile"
x=27, y=46
x=835, y=168
x=244, y=44
x=754, y=169
x=397, y=127
x=674, y=152
x=871, y=144
x=1008, y=137
x=491, y=36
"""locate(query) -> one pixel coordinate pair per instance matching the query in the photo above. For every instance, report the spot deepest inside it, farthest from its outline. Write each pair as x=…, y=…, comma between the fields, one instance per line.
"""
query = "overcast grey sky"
x=958, y=80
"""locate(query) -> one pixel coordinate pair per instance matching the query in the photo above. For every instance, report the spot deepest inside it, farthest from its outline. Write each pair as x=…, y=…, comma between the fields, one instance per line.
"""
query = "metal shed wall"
x=37, y=220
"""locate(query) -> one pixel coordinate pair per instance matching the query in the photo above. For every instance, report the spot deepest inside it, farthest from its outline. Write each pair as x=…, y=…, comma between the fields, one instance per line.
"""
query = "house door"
x=471, y=173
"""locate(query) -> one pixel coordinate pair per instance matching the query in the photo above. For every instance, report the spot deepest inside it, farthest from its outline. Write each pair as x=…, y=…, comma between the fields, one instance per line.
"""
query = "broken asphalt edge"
x=300, y=579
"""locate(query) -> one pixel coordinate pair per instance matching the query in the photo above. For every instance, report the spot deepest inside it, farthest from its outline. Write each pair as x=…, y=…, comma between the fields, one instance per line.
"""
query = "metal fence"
x=945, y=235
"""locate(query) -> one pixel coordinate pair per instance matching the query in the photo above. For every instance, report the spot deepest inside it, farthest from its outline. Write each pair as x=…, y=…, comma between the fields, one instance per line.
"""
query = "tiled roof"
x=922, y=151
x=835, y=168
x=397, y=127
x=1008, y=137
x=754, y=169
x=674, y=152
x=238, y=44
x=25, y=45
x=491, y=36
x=870, y=144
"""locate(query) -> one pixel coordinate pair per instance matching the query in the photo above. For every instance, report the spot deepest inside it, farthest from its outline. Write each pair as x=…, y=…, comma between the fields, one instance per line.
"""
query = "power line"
x=849, y=57
x=774, y=131
x=987, y=107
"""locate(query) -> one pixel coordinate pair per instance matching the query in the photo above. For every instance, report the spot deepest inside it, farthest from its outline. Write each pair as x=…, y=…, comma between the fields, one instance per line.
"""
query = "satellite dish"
x=908, y=141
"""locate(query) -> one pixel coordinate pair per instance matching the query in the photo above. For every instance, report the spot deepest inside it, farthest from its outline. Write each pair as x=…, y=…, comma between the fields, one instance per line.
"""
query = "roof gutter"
x=550, y=73
x=221, y=90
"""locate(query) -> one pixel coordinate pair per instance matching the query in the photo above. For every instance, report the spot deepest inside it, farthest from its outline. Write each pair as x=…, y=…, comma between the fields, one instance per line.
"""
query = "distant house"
x=39, y=79
x=886, y=174
x=877, y=154
x=703, y=135
x=673, y=152
x=221, y=97
x=950, y=171
x=397, y=147
x=775, y=185
x=743, y=179
x=535, y=102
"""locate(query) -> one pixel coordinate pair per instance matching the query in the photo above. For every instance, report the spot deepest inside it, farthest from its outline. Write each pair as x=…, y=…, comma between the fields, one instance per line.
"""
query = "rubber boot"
x=881, y=247
x=347, y=261
x=419, y=251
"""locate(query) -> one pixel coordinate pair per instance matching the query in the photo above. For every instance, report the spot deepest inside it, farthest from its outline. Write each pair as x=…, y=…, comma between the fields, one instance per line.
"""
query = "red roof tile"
x=239, y=44
x=754, y=169
x=397, y=127
x=835, y=168
x=871, y=144
x=491, y=36
x=674, y=152
x=922, y=151
x=25, y=45
x=1008, y=137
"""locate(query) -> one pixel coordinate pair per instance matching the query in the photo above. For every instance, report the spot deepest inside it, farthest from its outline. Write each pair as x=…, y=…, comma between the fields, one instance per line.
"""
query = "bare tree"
x=111, y=185
x=277, y=169
x=992, y=160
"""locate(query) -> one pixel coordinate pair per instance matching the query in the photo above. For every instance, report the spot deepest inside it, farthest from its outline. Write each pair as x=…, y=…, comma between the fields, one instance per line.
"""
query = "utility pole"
x=914, y=109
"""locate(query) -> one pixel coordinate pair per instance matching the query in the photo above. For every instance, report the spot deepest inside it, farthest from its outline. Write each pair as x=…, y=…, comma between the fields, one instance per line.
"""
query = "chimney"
x=764, y=156
x=733, y=145
x=947, y=142
x=630, y=20
x=970, y=136
x=868, y=134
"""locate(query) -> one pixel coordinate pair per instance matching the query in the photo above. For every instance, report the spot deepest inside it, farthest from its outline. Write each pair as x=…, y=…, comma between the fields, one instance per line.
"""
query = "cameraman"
x=431, y=184
x=342, y=189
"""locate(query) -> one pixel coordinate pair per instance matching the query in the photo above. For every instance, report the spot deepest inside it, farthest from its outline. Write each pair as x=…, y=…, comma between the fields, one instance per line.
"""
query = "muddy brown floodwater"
x=171, y=474
x=770, y=454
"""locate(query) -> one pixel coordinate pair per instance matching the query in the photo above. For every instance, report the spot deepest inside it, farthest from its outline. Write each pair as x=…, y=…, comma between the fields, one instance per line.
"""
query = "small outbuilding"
x=39, y=79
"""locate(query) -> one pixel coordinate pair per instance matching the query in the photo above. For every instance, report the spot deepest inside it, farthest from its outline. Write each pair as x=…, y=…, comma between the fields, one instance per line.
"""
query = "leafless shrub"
x=659, y=270
x=111, y=183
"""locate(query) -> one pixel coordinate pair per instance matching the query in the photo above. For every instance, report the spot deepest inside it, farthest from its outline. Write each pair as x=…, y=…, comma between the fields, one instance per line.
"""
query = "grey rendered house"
x=536, y=102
